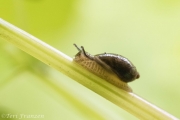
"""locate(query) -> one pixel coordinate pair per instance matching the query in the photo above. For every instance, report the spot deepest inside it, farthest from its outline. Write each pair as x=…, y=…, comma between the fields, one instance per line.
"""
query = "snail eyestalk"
x=77, y=47
x=84, y=52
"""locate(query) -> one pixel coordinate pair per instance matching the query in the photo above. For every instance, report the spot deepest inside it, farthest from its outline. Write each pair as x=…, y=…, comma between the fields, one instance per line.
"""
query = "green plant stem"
x=58, y=60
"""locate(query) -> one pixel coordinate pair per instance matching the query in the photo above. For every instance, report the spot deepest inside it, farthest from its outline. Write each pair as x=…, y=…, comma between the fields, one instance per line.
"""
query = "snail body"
x=110, y=63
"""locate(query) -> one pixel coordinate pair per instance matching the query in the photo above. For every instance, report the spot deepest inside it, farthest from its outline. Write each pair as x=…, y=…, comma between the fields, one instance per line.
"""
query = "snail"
x=108, y=62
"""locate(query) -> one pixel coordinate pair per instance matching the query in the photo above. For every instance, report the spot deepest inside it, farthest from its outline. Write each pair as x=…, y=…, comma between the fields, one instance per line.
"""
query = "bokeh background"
x=146, y=32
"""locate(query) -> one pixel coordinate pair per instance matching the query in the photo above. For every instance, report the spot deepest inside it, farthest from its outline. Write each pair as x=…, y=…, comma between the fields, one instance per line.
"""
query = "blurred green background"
x=146, y=32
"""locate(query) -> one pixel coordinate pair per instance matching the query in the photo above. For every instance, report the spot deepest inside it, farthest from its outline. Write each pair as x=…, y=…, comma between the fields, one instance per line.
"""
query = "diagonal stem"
x=63, y=63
